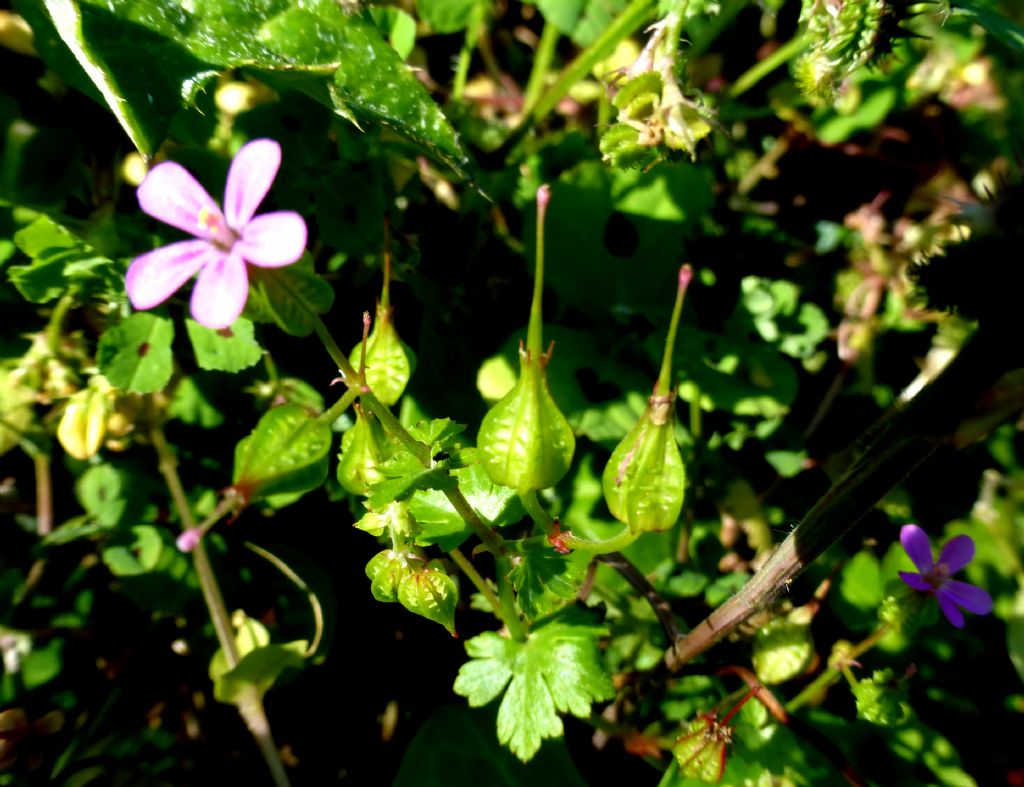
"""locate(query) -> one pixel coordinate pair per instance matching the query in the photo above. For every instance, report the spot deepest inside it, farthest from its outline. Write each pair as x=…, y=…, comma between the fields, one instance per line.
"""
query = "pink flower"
x=223, y=241
x=934, y=578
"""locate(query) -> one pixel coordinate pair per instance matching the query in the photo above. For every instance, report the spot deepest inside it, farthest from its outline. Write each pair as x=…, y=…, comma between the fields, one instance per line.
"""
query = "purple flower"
x=934, y=577
x=223, y=241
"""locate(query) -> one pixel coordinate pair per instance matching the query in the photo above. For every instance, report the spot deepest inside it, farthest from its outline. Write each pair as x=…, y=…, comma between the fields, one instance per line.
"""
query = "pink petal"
x=971, y=598
x=273, y=239
x=220, y=292
x=949, y=609
x=171, y=194
x=957, y=553
x=189, y=539
x=156, y=276
x=249, y=179
x=916, y=581
x=918, y=547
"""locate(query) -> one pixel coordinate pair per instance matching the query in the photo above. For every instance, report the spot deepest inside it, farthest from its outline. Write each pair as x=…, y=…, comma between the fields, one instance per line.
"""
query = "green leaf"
x=544, y=580
x=286, y=296
x=61, y=262
x=439, y=433
x=287, y=452
x=998, y=25
x=225, y=350
x=135, y=355
x=447, y=16
x=100, y=491
x=192, y=406
x=437, y=519
x=563, y=14
x=400, y=27
x=1015, y=634
x=557, y=670
x=454, y=748
x=137, y=554
x=430, y=592
x=339, y=58
x=404, y=474
x=258, y=669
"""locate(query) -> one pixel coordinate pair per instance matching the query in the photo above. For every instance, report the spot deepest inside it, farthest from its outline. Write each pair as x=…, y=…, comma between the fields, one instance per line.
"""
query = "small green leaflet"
x=544, y=580
x=404, y=474
x=225, y=350
x=260, y=664
x=135, y=355
x=558, y=669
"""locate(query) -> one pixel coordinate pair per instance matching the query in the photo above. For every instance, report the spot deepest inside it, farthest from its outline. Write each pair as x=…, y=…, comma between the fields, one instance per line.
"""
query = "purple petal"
x=971, y=598
x=918, y=547
x=950, y=610
x=249, y=179
x=220, y=292
x=156, y=276
x=957, y=553
x=916, y=581
x=171, y=194
x=273, y=239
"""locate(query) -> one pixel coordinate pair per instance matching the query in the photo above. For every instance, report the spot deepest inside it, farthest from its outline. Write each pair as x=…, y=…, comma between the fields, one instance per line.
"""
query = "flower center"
x=213, y=223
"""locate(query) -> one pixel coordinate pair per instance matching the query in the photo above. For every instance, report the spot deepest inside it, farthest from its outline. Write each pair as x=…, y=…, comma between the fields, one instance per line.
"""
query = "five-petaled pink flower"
x=223, y=241
x=934, y=577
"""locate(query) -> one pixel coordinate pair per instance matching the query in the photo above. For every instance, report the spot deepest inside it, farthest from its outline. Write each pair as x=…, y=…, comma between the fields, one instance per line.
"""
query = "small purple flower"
x=934, y=577
x=223, y=241
x=189, y=539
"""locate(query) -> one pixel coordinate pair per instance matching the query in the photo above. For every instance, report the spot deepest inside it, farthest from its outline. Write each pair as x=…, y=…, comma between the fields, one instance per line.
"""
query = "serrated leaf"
x=341, y=59
x=439, y=523
x=544, y=580
x=225, y=350
x=135, y=355
x=286, y=296
x=61, y=262
x=286, y=453
x=438, y=433
x=404, y=474
x=430, y=592
x=558, y=669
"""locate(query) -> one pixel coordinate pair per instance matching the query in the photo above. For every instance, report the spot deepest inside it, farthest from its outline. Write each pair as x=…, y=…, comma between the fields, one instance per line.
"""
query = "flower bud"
x=83, y=424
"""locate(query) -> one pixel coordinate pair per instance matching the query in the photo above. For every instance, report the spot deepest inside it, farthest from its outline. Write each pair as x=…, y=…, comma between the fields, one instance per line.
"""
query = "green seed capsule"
x=388, y=367
x=645, y=480
x=526, y=442
x=360, y=455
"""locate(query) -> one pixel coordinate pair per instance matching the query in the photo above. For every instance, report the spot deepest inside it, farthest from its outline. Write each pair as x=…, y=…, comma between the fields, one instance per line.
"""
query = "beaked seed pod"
x=526, y=442
x=388, y=367
x=644, y=481
x=360, y=455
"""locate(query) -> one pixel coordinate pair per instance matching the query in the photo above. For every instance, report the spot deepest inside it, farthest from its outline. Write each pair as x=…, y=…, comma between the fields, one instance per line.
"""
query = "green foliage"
x=557, y=670
x=286, y=453
x=227, y=350
x=136, y=354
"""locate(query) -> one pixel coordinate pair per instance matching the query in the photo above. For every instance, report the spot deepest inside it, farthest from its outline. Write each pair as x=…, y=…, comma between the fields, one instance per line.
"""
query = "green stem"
x=605, y=546
x=665, y=378
x=250, y=704
x=492, y=539
x=332, y=413
x=510, y=614
x=478, y=581
x=832, y=674
x=314, y=602
x=764, y=67
x=535, y=510
x=542, y=58
x=534, y=334
x=623, y=26
x=333, y=350
x=466, y=53
x=673, y=22
x=55, y=326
